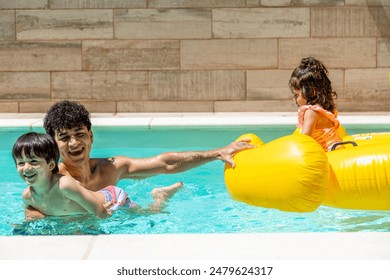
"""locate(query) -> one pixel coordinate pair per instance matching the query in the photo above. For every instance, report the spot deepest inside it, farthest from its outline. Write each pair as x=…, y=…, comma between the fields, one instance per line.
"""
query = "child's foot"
x=163, y=194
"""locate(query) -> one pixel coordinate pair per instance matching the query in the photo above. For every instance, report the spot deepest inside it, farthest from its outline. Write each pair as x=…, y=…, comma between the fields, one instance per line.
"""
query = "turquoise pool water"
x=202, y=206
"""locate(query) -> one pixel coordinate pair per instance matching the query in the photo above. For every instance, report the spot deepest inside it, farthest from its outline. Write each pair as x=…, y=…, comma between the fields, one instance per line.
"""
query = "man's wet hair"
x=39, y=144
x=66, y=114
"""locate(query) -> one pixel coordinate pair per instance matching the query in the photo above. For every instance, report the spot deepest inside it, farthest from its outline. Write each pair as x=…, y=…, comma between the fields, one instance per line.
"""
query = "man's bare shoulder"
x=101, y=162
x=115, y=162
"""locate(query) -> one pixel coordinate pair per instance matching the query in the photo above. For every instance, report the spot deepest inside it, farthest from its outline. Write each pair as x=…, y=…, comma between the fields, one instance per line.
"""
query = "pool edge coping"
x=194, y=119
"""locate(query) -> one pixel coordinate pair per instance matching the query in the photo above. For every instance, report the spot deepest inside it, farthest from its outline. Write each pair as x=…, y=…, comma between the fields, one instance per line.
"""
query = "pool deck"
x=265, y=246
x=269, y=246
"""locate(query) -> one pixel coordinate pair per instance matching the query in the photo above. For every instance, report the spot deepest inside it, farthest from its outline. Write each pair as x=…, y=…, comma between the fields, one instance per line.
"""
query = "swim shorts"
x=118, y=196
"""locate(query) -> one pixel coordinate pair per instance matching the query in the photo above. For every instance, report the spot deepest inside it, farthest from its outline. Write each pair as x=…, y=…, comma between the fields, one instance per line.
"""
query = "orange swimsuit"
x=326, y=137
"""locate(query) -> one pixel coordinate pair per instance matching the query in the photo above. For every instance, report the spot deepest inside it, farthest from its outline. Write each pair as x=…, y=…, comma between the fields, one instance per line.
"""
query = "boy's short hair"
x=66, y=114
x=42, y=145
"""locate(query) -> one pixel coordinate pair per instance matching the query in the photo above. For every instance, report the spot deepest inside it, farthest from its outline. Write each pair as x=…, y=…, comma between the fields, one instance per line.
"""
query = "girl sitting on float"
x=317, y=114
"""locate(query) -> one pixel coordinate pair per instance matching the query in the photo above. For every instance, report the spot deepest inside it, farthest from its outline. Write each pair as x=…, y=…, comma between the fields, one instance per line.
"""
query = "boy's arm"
x=30, y=213
x=87, y=199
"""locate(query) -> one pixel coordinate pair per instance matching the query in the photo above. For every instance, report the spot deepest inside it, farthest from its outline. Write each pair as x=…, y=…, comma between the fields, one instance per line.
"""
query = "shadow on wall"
x=383, y=22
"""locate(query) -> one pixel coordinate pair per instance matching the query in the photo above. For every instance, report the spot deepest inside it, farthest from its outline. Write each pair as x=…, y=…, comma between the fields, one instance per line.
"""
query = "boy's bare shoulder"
x=65, y=182
x=26, y=194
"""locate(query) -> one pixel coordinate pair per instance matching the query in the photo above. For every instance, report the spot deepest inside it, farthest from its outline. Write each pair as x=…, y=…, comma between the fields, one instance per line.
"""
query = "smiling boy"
x=36, y=156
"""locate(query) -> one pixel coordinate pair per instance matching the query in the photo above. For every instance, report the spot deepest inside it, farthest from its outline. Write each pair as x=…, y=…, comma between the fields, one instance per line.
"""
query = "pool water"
x=202, y=206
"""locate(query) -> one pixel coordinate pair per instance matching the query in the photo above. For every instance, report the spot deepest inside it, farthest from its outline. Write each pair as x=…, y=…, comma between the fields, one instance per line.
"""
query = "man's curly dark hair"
x=66, y=114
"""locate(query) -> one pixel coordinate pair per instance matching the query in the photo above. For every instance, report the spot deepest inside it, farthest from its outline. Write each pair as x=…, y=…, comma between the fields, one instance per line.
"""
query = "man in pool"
x=69, y=124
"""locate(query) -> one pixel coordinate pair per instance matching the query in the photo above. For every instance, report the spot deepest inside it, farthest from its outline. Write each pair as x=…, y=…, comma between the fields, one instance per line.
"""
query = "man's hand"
x=31, y=214
x=227, y=153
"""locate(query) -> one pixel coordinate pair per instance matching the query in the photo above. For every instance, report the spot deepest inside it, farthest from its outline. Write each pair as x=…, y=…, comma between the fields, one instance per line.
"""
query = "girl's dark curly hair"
x=311, y=78
x=39, y=144
x=66, y=115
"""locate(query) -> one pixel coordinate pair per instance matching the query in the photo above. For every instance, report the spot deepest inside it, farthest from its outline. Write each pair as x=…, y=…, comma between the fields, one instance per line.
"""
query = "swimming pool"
x=202, y=206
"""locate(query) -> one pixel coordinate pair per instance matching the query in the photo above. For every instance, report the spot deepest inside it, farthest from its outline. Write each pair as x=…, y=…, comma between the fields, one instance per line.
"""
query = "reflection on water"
x=76, y=225
x=227, y=219
x=373, y=222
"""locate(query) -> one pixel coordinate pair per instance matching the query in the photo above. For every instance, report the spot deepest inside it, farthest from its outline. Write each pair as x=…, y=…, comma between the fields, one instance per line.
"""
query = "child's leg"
x=161, y=195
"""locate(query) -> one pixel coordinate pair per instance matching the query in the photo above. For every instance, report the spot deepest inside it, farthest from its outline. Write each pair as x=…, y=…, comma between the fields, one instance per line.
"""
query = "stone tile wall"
x=119, y=56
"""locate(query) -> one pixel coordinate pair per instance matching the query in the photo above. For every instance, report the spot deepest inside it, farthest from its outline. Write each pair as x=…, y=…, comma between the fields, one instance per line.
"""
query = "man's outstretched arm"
x=175, y=162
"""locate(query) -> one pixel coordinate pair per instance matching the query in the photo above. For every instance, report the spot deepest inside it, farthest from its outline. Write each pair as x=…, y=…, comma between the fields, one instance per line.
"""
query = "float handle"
x=334, y=146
